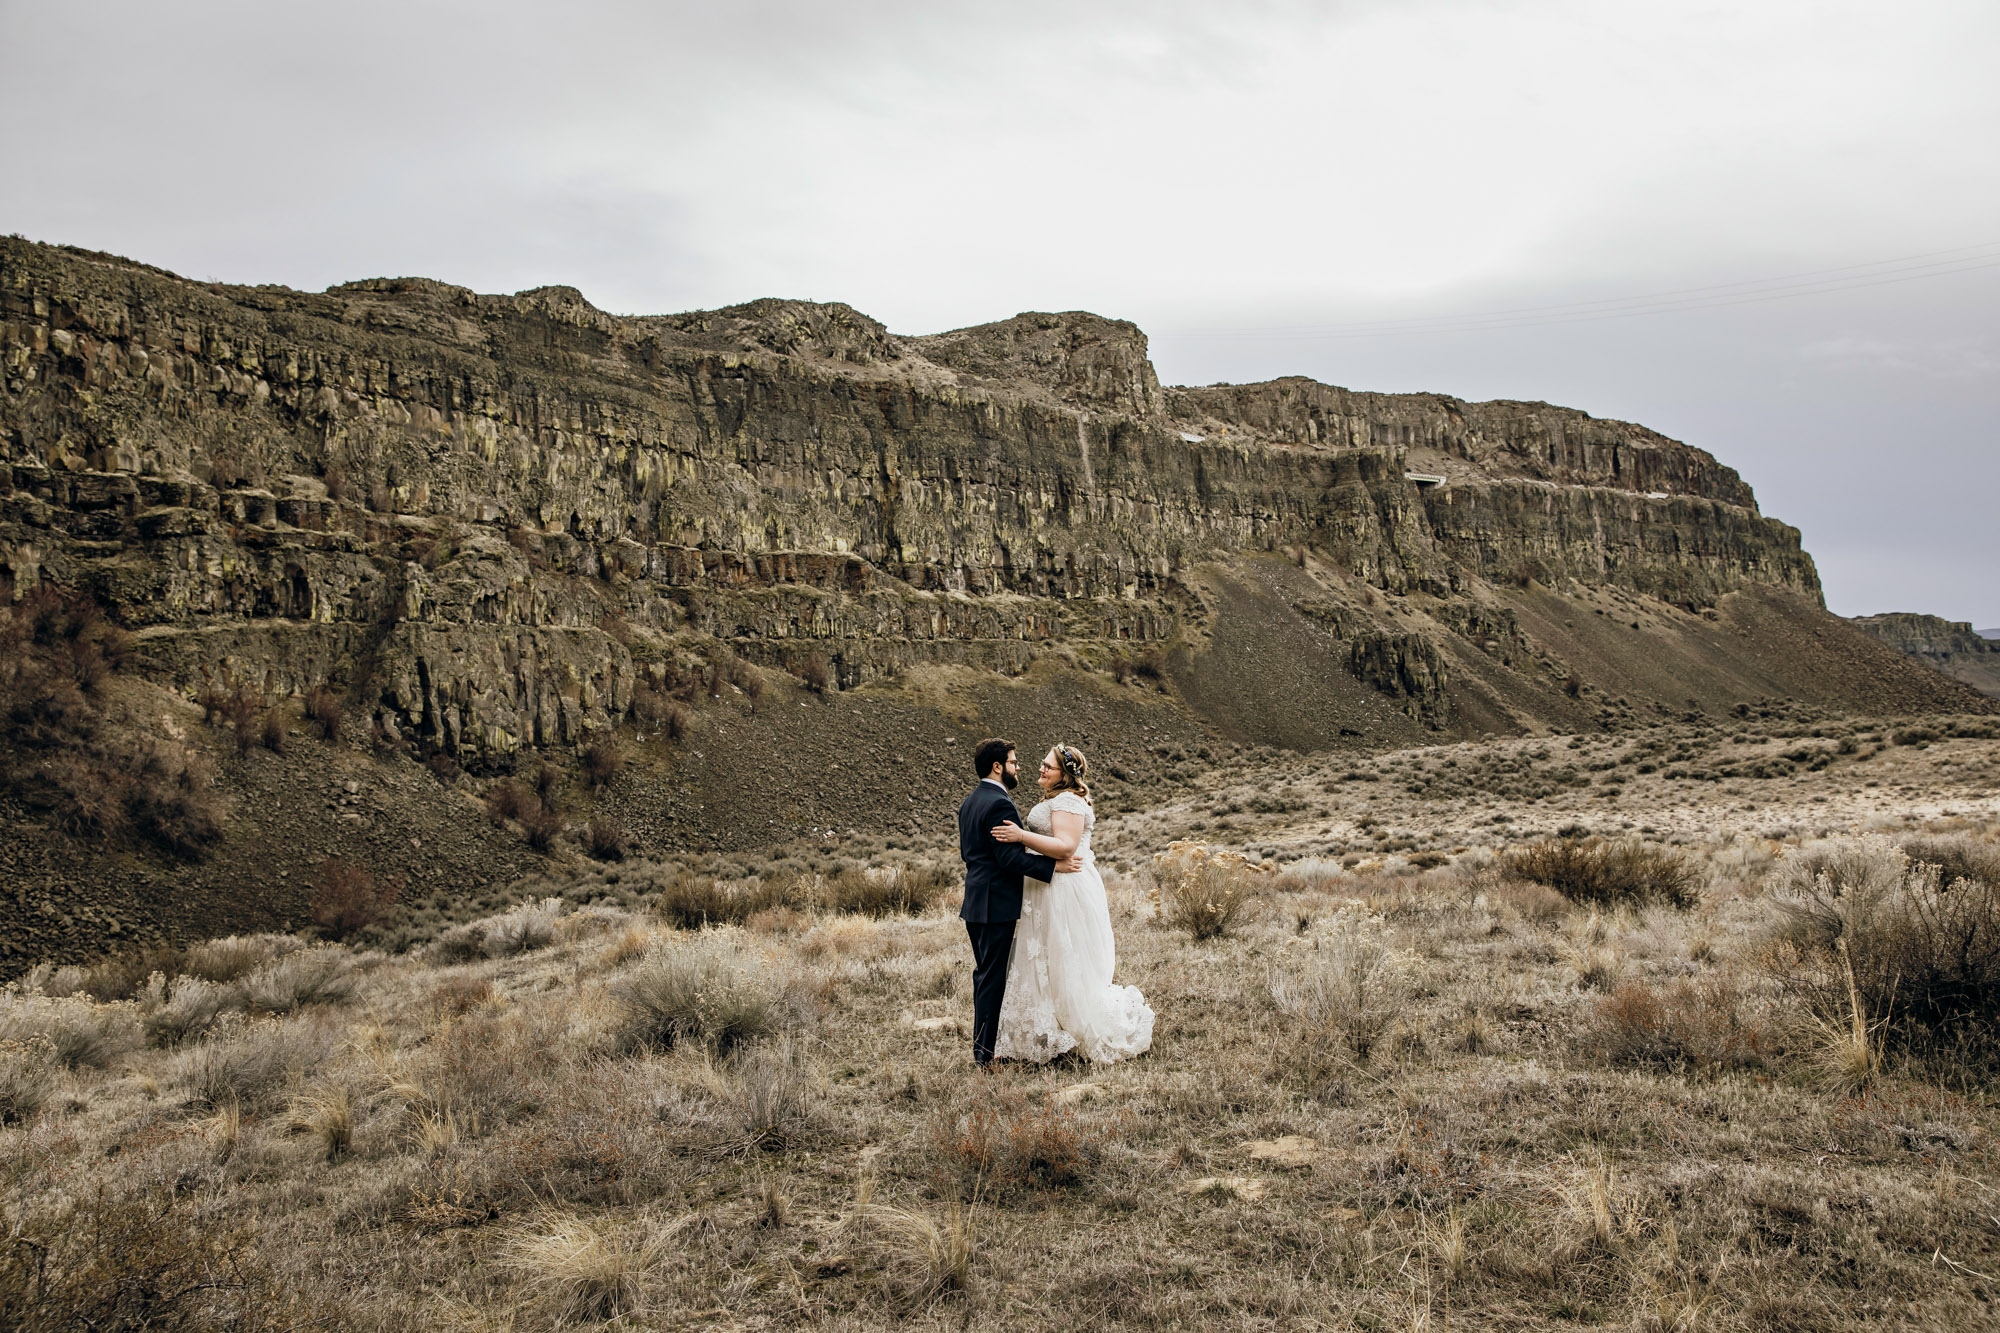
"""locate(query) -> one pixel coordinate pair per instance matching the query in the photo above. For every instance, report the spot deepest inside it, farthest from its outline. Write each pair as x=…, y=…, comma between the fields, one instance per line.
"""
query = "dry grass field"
x=1717, y=1057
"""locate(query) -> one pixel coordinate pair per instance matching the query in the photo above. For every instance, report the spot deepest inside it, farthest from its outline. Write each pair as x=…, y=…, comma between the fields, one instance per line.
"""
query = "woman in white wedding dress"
x=1060, y=996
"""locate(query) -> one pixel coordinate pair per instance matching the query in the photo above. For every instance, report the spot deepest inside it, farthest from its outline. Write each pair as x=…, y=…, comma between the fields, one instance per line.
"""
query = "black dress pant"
x=992, y=942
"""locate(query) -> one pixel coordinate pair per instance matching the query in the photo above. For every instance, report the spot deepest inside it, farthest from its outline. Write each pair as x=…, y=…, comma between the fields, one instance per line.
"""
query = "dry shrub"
x=525, y=928
x=1689, y=1024
x=273, y=731
x=816, y=672
x=1311, y=874
x=924, y=1259
x=347, y=897
x=605, y=838
x=187, y=1007
x=1203, y=890
x=28, y=1074
x=235, y=956
x=1334, y=987
x=151, y=789
x=297, y=980
x=325, y=711
x=689, y=901
x=906, y=890
x=1530, y=901
x=601, y=764
x=140, y=1261
x=1002, y=1147
x=775, y=1097
x=243, y=1063
x=508, y=799
x=326, y=1116
x=543, y=826
x=694, y=993
x=455, y=996
x=575, y=1270
x=1594, y=870
x=1957, y=856
x=79, y=1034
x=1925, y=954
x=548, y=783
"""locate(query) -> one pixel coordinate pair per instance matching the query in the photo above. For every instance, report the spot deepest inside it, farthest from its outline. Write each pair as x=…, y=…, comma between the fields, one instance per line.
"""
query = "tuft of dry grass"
x=928, y=1258
x=28, y=1073
x=695, y=992
x=327, y=1117
x=574, y=1269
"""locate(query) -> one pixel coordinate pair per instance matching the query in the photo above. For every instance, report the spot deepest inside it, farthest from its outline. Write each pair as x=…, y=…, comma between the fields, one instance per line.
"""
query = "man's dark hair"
x=988, y=754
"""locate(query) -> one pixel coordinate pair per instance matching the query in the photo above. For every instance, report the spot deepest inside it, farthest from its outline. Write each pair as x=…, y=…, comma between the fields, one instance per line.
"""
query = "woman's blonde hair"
x=1072, y=770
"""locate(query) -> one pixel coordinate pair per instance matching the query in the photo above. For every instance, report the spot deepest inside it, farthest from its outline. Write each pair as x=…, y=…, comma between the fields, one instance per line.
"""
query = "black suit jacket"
x=994, y=870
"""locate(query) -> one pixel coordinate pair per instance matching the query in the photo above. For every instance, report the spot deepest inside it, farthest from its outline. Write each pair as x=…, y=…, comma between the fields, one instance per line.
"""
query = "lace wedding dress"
x=1060, y=995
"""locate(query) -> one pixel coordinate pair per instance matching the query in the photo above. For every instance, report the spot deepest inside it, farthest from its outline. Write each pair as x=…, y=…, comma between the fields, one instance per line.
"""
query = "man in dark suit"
x=993, y=875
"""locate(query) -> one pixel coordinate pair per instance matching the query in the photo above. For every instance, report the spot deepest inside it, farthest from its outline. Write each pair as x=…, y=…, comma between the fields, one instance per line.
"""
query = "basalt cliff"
x=503, y=526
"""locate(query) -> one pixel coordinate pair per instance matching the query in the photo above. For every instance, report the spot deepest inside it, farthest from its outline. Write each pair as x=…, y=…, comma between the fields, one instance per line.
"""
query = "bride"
x=1060, y=995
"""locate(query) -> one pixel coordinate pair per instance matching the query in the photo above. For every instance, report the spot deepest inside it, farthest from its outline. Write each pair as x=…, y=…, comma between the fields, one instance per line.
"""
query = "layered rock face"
x=492, y=519
x=1952, y=646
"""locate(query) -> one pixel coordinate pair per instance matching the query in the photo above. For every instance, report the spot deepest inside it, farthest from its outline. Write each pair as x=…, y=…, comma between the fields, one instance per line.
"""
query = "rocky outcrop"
x=496, y=521
x=1952, y=646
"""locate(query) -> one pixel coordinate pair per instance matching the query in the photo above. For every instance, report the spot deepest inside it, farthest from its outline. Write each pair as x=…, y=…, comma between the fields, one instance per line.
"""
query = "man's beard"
x=1009, y=780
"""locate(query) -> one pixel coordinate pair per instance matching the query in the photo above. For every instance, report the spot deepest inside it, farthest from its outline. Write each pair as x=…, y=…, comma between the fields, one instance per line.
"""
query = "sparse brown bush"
x=310, y=976
x=1689, y=1024
x=528, y=927
x=244, y=1064
x=121, y=976
x=235, y=956
x=347, y=897
x=691, y=992
x=605, y=838
x=273, y=730
x=1593, y=870
x=601, y=763
x=28, y=1074
x=1957, y=856
x=127, y=1262
x=689, y=901
x=1915, y=736
x=548, y=783
x=80, y=1035
x=1150, y=664
x=1005, y=1147
x=816, y=672
x=187, y=1008
x=1203, y=890
x=326, y=711
x=908, y=889
x=442, y=766
x=1925, y=954
x=507, y=799
x=543, y=826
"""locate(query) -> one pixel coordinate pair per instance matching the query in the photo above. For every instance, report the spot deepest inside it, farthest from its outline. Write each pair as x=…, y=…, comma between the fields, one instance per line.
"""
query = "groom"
x=993, y=875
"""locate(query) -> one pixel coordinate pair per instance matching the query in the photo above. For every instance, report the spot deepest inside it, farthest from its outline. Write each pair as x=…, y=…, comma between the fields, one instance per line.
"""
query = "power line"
x=1850, y=277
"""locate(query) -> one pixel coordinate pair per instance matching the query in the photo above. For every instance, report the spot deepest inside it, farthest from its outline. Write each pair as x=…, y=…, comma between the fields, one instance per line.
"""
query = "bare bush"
x=105, y=1260
x=604, y=838
x=1957, y=856
x=1925, y=955
x=528, y=927
x=243, y=1064
x=273, y=732
x=28, y=1074
x=775, y=1098
x=1007, y=1148
x=347, y=897
x=80, y=1035
x=905, y=890
x=601, y=764
x=326, y=711
x=689, y=901
x=1593, y=870
x=308, y=977
x=235, y=956
x=1203, y=890
x=187, y=1008
x=1689, y=1024
x=694, y=993
x=543, y=826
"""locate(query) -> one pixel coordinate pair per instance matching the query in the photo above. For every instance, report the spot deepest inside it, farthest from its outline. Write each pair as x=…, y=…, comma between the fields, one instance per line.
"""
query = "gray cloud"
x=1272, y=168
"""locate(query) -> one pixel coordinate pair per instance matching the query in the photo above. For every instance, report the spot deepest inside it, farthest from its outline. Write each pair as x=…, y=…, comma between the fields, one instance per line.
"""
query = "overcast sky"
x=1768, y=227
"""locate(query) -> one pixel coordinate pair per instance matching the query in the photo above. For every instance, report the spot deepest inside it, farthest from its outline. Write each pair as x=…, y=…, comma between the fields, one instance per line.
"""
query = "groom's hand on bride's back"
x=1069, y=865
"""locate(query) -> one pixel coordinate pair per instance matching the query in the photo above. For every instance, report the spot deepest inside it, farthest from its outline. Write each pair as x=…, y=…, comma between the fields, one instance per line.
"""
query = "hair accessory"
x=1069, y=761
